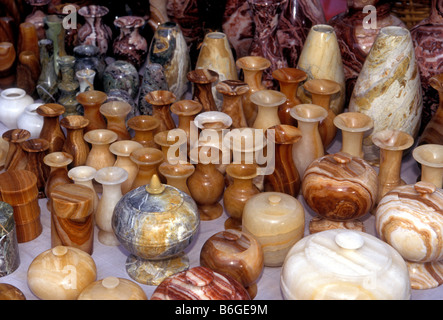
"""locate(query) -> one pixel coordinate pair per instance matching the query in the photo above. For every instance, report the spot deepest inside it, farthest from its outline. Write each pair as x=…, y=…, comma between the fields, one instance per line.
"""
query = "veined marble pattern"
x=388, y=88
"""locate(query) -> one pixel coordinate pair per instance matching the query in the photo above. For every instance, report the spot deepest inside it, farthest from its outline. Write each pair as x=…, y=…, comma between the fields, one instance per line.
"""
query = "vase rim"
x=353, y=122
x=13, y=93
x=394, y=31
x=430, y=155
x=323, y=28
x=308, y=113
x=213, y=117
x=100, y=136
x=124, y=148
x=253, y=63
x=58, y=159
x=392, y=139
x=111, y=175
x=96, y=11
x=147, y=156
x=82, y=173
x=129, y=22
x=268, y=98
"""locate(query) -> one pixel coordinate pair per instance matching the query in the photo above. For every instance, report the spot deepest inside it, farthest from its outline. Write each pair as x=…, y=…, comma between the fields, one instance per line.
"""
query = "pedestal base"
x=425, y=275
x=153, y=272
x=210, y=212
x=232, y=223
x=318, y=224
x=108, y=238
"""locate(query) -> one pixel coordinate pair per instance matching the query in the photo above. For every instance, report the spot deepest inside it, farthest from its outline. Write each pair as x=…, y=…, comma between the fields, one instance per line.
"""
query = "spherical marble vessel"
x=155, y=223
x=113, y=288
x=200, y=283
x=344, y=265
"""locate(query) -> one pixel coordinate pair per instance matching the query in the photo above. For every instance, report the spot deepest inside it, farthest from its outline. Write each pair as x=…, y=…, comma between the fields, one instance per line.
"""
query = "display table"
x=110, y=261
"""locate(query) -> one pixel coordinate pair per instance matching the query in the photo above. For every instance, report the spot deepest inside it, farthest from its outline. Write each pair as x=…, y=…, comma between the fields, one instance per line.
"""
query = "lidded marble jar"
x=113, y=288
x=156, y=223
x=344, y=264
x=277, y=221
x=409, y=218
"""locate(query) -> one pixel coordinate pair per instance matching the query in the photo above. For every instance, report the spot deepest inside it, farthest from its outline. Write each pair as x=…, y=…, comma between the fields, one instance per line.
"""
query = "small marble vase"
x=322, y=92
x=122, y=150
x=353, y=126
x=69, y=86
x=392, y=144
x=289, y=80
x=111, y=178
x=10, y=292
x=72, y=220
x=74, y=143
x=169, y=49
x=216, y=55
x=147, y=160
x=91, y=101
x=47, y=82
x=430, y=159
x=16, y=157
x=28, y=72
x=95, y=31
x=232, y=102
x=238, y=192
x=116, y=113
x=36, y=150
x=36, y=17
x=321, y=59
x=121, y=75
x=265, y=42
x=58, y=162
x=431, y=132
x=99, y=156
x=268, y=102
x=153, y=79
x=84, y=175
x=202, y=82
x=285, y=177
x=144, y=127
x=85, y=79
x=8, y=63
x=51, y=130
x=56, y=33
x=130, y=45
x=408, y=219
x=13, y=102
x=113, y=288
x=252, y=68
x=310, y=147
x=207, y=184
x=89, y=57
x=177, y=174
x=161, y=101
x=377, y=93
x=186, y=111
x=237, y=254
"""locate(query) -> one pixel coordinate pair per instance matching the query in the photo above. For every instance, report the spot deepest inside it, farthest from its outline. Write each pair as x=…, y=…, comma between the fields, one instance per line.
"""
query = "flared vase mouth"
x=394, y=31
x=13, y=93
x=430, y=155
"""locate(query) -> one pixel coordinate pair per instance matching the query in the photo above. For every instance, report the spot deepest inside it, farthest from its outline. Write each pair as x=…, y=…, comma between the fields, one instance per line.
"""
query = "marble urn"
x=343, y=264
x=155, y=223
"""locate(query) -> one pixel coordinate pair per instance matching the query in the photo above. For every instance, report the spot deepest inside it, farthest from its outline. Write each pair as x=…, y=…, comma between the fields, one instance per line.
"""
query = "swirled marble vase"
x=95, y=31
x=409, y=219
x=388, y=88
x=121, y=75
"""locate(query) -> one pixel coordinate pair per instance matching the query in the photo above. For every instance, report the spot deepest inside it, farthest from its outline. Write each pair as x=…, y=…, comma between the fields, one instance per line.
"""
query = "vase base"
x=425, y=275
x=210, y=212
x=318, y=224
x=108, y=238
x=153, y=272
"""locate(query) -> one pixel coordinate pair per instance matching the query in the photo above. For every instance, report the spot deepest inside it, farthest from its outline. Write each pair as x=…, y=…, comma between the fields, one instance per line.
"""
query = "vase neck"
x=352, y=143
x=254, y=79
x=74, y=135
x=242, y=183
x=322, y=100
x=390, y=166
x=289, y=90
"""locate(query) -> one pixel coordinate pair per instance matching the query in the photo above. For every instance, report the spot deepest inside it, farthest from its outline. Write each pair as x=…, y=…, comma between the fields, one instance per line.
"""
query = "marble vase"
x=392, y=99
x=232, y=102
x=430, y=159
x=121, y=75
x=153, y=79
x=130, y=45
x=202, y=81
x=321, y=59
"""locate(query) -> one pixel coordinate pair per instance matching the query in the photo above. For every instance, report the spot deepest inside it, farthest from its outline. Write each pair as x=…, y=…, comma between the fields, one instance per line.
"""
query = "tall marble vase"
x=356, y=34
x=56, y=33
x=95, y=31
x=168, y=48
x=39, y=12
x=216, y=55
x=47, y=82
x=266, y=15
x=321, y=59
x=427, y=37
x=293, y=28
x=388, y=88
x=153, y=79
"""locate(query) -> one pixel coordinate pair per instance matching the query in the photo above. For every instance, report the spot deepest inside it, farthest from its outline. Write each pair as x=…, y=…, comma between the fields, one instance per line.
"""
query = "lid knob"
x=424, y=187
x=232, y=235
x=155, y=186
x=110, y=282
x=342, y=158
x=274, y=200
x=59, y=251
x=349, y=240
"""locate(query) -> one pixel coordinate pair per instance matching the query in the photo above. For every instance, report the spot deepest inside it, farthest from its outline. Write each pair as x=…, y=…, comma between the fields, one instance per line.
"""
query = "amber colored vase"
x=289, y=80
x=202, y=81
x=433, y=133
x=186, y=110
x=7, y=65
x=28, y=39
x=321, y=91
x=51, y=130
x=91, y=101
x=238, y=192
x=58, y=162
x=75, y=144
x=161, y=101
x=285, y=177
x=15, y=157
x=232, y=92
x=100, y=156
x=116, y=113
x=144, y=127
x=207, y=183
x=36, y=150
x=253, y=68
x=147, y=160
x=28, y=72
x=177, y=174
